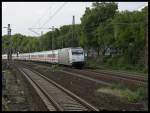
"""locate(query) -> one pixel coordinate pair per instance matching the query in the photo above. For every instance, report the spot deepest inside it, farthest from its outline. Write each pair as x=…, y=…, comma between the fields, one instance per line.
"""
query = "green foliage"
x=91, y=63
x=118, y=86
x=94, y=63
x=55, y=67
x=95, y=25
x=139, y=94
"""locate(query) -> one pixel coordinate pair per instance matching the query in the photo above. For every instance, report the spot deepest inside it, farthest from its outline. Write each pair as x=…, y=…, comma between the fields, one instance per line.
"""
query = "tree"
x=92, y=22
x=130, y=35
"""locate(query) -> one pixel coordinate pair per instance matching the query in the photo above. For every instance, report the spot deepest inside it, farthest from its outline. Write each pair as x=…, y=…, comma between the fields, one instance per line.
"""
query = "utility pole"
x=41, y=33
x=73, y=23
x=53, y=43
x=9, y=55
x=41, y=41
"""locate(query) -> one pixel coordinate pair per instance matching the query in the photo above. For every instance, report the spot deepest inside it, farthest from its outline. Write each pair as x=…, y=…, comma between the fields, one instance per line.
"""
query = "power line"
x=38, y=21
x=55, y=13
x=40, y=28
x=139, y=7
x=41, y=17
x=33, y=31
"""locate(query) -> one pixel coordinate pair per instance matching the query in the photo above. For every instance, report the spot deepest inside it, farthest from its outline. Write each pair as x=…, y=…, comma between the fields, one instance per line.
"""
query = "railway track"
x=56, y=97
x=131, y=77
x=78, y=75
x=111, y=77
x=121, y=74
x=104, y=78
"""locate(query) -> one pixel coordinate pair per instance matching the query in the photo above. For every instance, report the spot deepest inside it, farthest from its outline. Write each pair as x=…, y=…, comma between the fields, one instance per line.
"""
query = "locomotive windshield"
x=77, y=52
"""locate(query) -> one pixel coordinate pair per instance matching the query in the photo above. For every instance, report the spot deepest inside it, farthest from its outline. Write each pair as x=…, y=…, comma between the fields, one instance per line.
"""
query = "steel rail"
x=69, y=93
x=78, y=99
x=57, y=107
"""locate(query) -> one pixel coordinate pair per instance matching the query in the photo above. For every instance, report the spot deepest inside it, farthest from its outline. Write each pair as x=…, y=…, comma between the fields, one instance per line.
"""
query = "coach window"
x=53, y=55
x=49, y=55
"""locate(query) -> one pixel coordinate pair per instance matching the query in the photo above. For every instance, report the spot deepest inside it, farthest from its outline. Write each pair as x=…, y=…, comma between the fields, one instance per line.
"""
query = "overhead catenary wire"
x=55, y=13
x=139, y=7
x=44, y=14
x=31, y=29
x=41, y=16
x=89, y=26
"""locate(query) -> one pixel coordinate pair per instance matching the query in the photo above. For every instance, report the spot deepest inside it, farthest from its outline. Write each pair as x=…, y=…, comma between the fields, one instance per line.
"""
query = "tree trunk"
x=103, y=51
x=98, y=51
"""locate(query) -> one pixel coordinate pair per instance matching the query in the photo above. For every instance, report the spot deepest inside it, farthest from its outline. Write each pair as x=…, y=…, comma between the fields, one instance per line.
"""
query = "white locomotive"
x=67, y=56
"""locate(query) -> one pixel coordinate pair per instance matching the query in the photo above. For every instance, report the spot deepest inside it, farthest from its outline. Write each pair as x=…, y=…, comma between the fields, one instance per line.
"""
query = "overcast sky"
x=24, y=15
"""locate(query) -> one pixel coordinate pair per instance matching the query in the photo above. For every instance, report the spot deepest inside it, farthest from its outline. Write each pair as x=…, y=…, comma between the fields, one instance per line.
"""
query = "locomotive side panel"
x=63, y=56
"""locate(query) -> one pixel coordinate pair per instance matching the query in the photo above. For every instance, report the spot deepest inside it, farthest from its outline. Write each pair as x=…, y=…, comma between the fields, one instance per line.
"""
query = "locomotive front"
x=77, y=57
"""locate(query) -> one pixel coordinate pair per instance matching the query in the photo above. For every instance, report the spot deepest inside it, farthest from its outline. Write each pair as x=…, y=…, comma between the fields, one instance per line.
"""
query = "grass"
x=135, y=96
x=121, y=91
x=55, y=67
x=116, y=63
x=111, y=91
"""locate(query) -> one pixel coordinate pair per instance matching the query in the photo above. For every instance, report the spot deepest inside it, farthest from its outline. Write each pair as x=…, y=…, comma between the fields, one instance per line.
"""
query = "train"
x=72, y=56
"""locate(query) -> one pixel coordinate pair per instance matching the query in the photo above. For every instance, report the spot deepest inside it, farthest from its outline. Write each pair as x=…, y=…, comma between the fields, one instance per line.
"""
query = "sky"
x=24, y=15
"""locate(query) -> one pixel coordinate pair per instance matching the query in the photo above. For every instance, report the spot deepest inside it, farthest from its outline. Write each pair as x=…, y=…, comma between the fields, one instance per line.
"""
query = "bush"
x=110, y=61
x=55, y=67
x=94, y=62
x=117, y=86
x=121, y=61
x=116, y=63
x=105, y=58
x=138, y=95
x=128, y=67
x=145, y=70
x=132, y=96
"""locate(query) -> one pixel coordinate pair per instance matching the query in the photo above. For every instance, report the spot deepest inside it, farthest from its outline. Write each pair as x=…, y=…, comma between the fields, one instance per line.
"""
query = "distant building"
x=112, y=51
